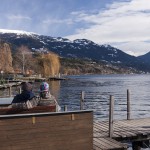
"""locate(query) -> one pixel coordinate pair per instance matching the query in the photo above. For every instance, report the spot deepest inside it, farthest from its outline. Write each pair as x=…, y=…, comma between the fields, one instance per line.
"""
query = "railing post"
x=81, y=100
x=111, y=113
x=10, y=92
x=128, y=105
x=65, y=108
x=20, y=90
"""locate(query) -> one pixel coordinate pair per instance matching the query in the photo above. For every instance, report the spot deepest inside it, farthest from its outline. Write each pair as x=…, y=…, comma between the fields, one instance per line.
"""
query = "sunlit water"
x=98, y=89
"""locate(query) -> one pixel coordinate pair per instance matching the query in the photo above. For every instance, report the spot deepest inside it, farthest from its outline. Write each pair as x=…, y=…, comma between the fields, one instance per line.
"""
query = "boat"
x=44, y=105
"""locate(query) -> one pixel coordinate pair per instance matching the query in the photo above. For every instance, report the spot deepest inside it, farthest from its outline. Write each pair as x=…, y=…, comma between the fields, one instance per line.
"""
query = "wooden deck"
x=136, y=131
x=107, y=144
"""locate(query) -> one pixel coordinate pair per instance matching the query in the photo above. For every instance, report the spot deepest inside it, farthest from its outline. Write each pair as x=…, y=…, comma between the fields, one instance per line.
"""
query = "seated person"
x=44, y=90
x=26, y=99
x=45, y=96
x=46, y=99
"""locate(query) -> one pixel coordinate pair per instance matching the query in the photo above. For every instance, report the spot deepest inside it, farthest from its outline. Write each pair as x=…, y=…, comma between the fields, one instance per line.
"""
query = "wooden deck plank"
x=124, y=129
x=108, y=144
x=130, y=130
x=104, y=128
x=116, y=133
x=133, y=128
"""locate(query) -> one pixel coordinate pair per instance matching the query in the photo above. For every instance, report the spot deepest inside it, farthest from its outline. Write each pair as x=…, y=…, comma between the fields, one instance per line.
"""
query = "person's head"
x=25, y=86
x=44, y=87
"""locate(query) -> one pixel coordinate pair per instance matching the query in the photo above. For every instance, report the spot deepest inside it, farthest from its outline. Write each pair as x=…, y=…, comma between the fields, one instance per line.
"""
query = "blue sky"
x=124, y=24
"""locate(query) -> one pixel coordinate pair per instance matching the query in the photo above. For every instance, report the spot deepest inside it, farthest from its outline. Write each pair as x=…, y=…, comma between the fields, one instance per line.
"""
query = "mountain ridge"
x=79, y=48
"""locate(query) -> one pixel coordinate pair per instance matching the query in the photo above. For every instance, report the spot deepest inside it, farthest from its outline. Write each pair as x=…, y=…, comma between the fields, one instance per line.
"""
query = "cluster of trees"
x=5, y=58
x=27, y=62
x=47, y=64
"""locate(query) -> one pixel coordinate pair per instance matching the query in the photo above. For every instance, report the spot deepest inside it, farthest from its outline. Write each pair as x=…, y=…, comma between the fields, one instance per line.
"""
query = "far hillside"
x=82, y=49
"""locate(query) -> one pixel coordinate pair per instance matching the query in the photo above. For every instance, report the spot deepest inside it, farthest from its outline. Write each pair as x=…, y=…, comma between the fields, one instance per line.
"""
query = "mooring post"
x=10, y=91
x=65, y=108
x=81, y=100
x=20, y=90
x=128, y=105
x=111, y=113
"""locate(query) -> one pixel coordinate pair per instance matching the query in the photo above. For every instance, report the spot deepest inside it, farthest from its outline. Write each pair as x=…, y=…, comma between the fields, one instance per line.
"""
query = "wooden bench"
x=47, y=131
x=37, y=109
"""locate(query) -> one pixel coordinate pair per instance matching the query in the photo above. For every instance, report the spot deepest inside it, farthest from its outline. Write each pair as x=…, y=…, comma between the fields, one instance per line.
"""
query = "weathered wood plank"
x=37, y=109
x=108, y=144
x=64, y=131
x=133, y=130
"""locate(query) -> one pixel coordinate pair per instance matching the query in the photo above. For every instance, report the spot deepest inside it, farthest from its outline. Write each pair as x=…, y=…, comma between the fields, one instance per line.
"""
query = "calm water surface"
x=98, y=89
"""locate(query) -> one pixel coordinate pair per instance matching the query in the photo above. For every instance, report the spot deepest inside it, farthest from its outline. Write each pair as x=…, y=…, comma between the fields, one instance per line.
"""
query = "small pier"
x=8, y=85
x=107, y=144
x=117, y=134
x=135, y=131
x=56, y=78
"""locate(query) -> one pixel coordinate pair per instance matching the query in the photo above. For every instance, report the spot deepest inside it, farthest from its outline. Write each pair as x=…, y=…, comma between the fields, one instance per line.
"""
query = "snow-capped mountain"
x=79, y=48
x=18, y=32
x=145, y=58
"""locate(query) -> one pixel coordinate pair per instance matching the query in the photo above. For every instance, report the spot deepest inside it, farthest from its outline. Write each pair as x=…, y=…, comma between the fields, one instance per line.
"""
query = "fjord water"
x=98, y=89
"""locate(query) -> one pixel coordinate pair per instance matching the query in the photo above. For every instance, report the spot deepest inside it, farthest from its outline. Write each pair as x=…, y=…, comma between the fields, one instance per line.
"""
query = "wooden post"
x=20, y=90
x=128, y=105
x=10, y=91
x=81, y=100
x=111, y=112
x=65, y=108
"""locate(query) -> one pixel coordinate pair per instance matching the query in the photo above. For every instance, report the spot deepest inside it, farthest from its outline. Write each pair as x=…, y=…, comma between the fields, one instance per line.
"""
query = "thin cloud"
x=58, y=21
x=18, y=17
x=120, y=22
x=125, y=22
x=129, y=47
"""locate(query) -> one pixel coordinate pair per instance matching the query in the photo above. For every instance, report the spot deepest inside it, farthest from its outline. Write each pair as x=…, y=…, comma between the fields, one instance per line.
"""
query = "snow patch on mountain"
x=59, y=39
x=18, y=32
x=83, y=42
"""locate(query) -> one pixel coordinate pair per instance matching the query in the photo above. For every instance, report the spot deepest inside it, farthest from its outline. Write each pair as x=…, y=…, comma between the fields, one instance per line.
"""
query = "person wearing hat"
x=45, y=96
x=26, y=99
x=44, y=90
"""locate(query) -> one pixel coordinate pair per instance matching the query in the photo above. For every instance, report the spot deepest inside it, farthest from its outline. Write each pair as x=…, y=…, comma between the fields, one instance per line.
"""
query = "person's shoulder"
x=16, y=98
x=32, y=95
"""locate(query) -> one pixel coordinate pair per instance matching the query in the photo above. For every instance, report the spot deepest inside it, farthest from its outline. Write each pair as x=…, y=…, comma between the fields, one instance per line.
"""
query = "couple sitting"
x=27, y=99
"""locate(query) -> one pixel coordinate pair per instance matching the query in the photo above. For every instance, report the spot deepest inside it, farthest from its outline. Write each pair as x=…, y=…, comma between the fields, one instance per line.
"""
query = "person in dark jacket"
x=26, y=99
